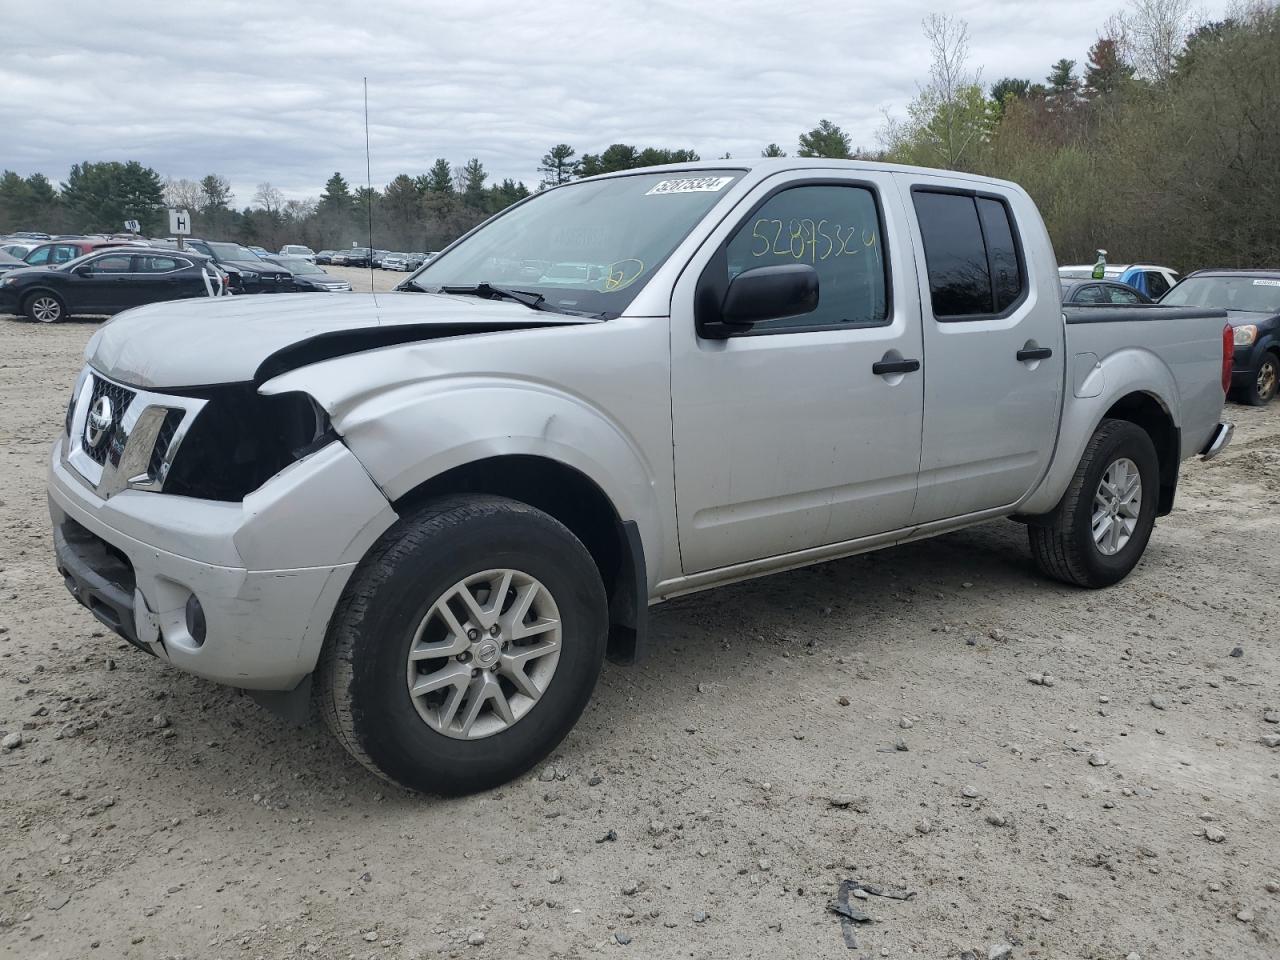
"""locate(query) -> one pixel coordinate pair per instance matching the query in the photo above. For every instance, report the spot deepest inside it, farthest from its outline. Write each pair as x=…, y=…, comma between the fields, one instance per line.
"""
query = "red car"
x=60, y=251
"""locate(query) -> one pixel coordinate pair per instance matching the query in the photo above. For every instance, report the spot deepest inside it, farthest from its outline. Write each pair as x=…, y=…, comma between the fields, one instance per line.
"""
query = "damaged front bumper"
x=266, y=573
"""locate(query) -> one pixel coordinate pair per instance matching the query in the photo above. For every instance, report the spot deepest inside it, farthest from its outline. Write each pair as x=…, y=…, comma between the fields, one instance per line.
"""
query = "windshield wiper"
x=534, y=301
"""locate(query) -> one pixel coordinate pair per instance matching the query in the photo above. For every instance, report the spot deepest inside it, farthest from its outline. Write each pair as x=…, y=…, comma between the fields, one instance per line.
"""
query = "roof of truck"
x=767, y=165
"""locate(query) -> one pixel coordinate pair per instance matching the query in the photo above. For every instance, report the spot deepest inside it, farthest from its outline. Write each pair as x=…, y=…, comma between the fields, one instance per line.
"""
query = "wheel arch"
x=26, y=297
x=1149, y=412
x=577, y=501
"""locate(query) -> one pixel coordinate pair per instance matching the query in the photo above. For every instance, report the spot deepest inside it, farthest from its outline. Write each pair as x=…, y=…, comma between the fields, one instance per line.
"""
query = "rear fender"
x=1098, y=387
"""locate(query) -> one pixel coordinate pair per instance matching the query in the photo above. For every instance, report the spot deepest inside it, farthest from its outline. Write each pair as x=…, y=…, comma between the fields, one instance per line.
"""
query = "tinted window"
x=160, y=264
x=971, y=254
x=1157, y=285
x=959, y=275
x=1090, y=293
x=1002, y=252
x=64, y=252
x=112, y=263
x=834, y=229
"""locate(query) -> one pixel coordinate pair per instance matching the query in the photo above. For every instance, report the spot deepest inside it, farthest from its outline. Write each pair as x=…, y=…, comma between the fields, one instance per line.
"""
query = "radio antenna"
x=368, y=197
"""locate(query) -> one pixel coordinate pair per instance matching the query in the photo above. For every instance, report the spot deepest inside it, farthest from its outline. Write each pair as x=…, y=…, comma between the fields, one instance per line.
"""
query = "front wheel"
x=45, y=308
x=1262, y=388
x=1100, y=528
x=465, y=647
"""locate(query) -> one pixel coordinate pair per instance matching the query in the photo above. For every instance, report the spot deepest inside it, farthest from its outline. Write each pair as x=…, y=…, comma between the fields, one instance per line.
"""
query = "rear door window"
x=971, y=252
x=1157, y=285
x=1121, y=295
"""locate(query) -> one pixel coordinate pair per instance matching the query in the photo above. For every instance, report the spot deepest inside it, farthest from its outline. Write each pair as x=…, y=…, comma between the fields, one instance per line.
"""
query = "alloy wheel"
x=46, y=309
x=484, y=654
x=1116, y=505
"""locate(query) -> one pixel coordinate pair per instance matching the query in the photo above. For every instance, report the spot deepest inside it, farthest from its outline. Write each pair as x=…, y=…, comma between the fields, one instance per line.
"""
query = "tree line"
x=1163, y=146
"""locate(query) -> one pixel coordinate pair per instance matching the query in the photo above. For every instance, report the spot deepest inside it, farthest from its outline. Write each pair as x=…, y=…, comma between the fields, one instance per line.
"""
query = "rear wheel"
x=44, y=307
x=1100, y=528
x=465, y=646
x=1262, y=388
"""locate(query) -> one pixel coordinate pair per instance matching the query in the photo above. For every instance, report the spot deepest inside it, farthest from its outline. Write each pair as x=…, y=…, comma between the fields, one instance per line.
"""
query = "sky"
x=272, y=92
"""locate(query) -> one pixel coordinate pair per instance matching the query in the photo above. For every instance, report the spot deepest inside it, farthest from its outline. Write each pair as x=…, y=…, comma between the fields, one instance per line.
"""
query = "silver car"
x=434, y=512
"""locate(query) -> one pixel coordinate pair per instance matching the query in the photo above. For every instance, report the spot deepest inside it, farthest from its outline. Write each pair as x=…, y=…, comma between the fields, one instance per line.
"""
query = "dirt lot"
x=149, y=814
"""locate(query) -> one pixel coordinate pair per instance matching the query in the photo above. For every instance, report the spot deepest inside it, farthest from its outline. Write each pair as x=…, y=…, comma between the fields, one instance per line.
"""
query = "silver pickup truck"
x=432, y=513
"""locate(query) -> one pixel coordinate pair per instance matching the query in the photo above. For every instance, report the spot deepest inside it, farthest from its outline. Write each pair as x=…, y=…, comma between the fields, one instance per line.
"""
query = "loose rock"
x=11, y=741
x=1098, y=759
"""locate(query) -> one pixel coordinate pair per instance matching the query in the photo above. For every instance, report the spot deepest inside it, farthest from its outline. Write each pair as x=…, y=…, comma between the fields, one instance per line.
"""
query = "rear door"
x=993, y=345
x=787, y=438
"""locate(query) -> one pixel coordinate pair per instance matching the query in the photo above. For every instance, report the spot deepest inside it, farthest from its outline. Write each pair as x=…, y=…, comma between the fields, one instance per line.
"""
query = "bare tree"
x=182, y=194
x=1154, y=33
x=950, y=115
x=268, y=198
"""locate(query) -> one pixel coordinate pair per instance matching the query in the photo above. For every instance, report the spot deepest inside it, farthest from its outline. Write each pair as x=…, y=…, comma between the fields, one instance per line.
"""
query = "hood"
x=254, y=266
x=192, y=343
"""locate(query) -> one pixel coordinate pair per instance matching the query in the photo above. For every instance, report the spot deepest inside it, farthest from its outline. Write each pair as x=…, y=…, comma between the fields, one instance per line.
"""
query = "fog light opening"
x=196, y=626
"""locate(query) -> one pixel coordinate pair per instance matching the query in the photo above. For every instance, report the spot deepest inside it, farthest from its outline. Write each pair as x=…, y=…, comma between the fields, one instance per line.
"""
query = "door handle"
x=1038, y=353
x=884, y=367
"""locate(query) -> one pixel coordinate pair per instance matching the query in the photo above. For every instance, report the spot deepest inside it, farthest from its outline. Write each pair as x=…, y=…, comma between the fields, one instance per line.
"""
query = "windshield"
x=1256, y=294
x=232, y=251
x=587, y=247
x=298, y=265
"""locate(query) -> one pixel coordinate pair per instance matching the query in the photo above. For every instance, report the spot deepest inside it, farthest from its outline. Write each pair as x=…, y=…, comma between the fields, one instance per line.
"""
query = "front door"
x=104, y=284
x=786, y=438
x=993, y=345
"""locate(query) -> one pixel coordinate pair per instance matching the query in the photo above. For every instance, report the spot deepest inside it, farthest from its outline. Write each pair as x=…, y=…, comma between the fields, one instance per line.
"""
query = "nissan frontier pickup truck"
x=432, y=513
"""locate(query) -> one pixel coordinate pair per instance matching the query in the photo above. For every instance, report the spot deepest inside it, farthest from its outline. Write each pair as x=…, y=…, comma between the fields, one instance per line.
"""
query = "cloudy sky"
x=272, y=91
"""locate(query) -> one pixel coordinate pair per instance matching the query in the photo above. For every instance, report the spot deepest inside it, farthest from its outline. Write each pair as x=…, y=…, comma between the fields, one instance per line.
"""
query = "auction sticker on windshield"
x=1256, y=283
x=690, y=185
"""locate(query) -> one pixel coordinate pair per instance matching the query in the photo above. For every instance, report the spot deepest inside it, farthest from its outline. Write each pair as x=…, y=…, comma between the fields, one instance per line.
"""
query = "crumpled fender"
x=408, y=416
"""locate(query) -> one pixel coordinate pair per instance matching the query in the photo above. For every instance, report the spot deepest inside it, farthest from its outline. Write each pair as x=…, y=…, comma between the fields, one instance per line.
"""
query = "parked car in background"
x=417, y=258
x=435, y=511
x=395, y=261
x=61, y=251
x=1101, y=291
x=18, y=247
x=107, y=281
x=1148, y=279
x=249, y=273
x=355, y=257
x=1252, y=301
x=298, y=250
x=309, y=277
x=258, y=251
x=324, y=256
x=377, y=255
x=9, y=262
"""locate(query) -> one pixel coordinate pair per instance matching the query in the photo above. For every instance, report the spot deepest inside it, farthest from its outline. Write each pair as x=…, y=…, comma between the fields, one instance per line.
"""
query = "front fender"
x=407, y=421
x=1097, y=386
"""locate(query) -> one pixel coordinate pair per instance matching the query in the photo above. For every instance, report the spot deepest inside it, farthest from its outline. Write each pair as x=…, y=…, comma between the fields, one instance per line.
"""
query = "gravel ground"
x=884, y=718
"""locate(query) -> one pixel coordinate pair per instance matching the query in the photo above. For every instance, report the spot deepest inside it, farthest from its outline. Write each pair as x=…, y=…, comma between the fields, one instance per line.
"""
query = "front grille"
x=120, y=398
x=156, y=466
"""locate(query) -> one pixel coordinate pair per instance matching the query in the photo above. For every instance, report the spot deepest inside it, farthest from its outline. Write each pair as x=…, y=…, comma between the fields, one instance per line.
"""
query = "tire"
x=1265, y=382
x=362, y=683
x=1063, y=542
x=44, y=307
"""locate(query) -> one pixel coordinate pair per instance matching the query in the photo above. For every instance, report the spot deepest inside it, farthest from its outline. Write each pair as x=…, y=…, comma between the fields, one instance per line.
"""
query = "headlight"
x=241, y=439
x=248, y=275
x=6, y=281
x=1245, y=334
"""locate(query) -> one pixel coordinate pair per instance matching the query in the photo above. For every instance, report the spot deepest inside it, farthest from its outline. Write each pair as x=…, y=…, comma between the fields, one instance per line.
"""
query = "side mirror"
x=83, y=270
x=764, y=293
